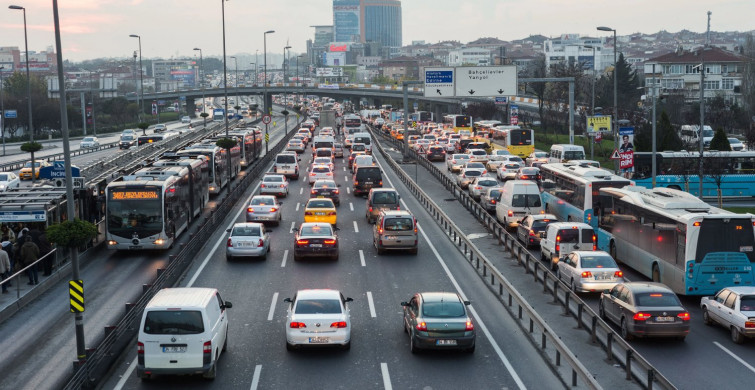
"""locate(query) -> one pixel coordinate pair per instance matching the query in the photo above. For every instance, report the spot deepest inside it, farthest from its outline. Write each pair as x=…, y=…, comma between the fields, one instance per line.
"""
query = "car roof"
x=644, y=287
x=538, y=217
x=396, y=213
x=567, y=225
x=592, y=253
x=742, y=290
x=248, y=224
x=318, y=294
x=440, y=296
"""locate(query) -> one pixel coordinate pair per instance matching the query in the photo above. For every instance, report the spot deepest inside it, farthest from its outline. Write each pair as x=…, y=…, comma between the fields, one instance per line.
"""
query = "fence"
x=617, y=350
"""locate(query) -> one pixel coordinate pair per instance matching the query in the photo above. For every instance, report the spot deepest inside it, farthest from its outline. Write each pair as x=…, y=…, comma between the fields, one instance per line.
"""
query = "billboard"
x=334, y=59
x=346, y=20
x=183, y=73
x=329, y=72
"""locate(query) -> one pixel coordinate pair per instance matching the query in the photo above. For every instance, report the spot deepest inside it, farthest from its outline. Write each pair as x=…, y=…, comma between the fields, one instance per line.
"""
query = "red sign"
x=598, y=136
x=338, y=48
x=514, y=120
x=626, y=160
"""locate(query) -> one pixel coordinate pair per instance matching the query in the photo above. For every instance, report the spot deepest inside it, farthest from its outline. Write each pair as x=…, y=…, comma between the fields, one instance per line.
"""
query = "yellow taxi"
x=400, y=135
x=25, y=173
x=320, y=210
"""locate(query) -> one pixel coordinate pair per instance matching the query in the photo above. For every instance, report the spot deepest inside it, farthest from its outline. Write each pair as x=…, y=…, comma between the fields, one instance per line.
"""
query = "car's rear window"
x=656, y=299
x=384, y=197
x=318, y=306
x=443, y=309
x=487, y=183
x=597, y=262
x=320, y=169
x=261, y=201
x=398, y=224
x=324, y=153
x=173, y=322
x=571, y=236
x=325, y=184
x=472, y=173
x=315, y=230
x=320, y=204
x=747, y=303
x=526, y=200
x=273, y=178
x=253, y=231
x=368, y=172
x=286, y=159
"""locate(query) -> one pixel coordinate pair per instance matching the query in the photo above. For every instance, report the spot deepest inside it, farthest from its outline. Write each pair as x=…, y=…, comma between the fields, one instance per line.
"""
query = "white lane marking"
x=301, y=190
x=473, y=236
x=371, y=304
x=356, y=228
x=132, y=366
x=346, y=178
x=256, y=377
x=297, y=206
x=285, y=256
x=348, y=190
x=351, y=206
x=737, y=358
x=386, y=376
x=344, y=169
x=481, y=325
x=272, y=307
x=361, y=258
x=292, y=227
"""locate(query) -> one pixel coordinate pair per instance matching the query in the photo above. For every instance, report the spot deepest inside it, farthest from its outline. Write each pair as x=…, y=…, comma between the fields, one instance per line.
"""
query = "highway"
x=39, y=341
x=379, y=356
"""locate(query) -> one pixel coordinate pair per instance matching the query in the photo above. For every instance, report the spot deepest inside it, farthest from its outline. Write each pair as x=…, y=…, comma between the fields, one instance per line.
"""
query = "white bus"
x=217, y=159
x=674, y=238
x=570, y=191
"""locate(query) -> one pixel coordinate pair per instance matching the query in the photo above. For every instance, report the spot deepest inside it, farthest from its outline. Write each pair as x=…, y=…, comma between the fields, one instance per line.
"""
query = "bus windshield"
x=521, y=137
x=462, y=121
x=134, y=211
x=721, y=235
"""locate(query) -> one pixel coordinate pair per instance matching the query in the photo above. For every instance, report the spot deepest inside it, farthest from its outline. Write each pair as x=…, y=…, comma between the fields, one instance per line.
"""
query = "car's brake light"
x=261, y=243
x=332, y=213
x=641, y=316
x=422, y=326
x=338, y=324
x=302, y=242
x=683, y=316
x=229, y=243
x=329, y=242
x=532, y=232
x=314, y=192
x=586, y=274
x=140, y=348
x=511, y=213
x=469, y=326
x=749, y=324
x=297, y=325
x=273, y=209
x=250, y=210
x=207, y=347
x=618, y=274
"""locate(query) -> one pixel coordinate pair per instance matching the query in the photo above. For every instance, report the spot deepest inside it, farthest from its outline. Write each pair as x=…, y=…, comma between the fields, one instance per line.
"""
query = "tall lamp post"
x=201, y=84
x=264, y=94
x=592, y=102
x=236, y=84
x=28, y=80
x=2, y=108
x=615, y=92
x=285, y=64
x=256, y=65
x=141, y=75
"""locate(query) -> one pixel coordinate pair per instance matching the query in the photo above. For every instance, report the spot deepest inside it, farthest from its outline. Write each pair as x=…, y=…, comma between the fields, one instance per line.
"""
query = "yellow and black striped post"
x=76, y=293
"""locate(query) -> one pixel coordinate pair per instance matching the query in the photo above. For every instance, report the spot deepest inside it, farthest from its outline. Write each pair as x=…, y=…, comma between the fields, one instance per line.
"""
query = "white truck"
x=734, y=309
x=328, y=119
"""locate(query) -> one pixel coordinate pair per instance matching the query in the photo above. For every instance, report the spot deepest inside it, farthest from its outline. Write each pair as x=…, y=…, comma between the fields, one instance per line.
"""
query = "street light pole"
x=592, y=102
x=264, y=73
x=236, y=84
x=615, y=92
x=201, y=84
x=141, y=74
x=28, y=81
x=285, y=64
x=2, y=108
x=256, y=65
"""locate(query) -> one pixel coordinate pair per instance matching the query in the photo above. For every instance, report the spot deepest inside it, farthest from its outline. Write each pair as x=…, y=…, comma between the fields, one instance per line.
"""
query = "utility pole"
x=702, y=106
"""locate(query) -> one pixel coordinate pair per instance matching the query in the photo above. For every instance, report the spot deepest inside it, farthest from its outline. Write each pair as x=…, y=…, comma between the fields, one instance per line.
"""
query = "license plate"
x=602, y=277
x=445, y=342
x=134, y=247
x=248, y=244
x=664, y=319
x=320, y=213
x=390, y=237
x=319, y=340
x=174, y=349
x=368, y=182
x=315, y=245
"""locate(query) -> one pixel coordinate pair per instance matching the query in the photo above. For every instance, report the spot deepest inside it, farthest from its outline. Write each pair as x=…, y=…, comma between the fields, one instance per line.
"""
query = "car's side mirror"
x=295, y=230
x=467, y=303
x=227, y=305
x=287, y=300
x=404, y=304
x=228, y=230
x=348, y=299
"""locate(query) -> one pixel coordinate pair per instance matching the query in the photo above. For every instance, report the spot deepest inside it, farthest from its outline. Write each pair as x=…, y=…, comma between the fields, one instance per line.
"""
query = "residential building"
x=470, y=56
x=571, y=48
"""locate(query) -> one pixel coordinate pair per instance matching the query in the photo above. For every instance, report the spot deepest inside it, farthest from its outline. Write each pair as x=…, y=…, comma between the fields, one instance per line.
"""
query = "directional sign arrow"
x=471, y=91
x=500, y=91
x=438, y=91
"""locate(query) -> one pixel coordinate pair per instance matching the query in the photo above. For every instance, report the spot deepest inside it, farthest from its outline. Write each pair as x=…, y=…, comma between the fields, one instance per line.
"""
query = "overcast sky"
x=172, y=28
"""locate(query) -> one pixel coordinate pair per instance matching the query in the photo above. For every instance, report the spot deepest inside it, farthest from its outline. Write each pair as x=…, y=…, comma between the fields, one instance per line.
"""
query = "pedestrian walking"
x=5, y=269
x=39, y=237
x=29, y=253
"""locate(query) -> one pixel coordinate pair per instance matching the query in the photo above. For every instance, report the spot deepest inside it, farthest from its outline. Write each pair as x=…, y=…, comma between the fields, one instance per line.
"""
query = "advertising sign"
x=626, y=148
x=598, y=123
x=329, y=72
x=514, y=115
x=89, y=113
x=154, y=108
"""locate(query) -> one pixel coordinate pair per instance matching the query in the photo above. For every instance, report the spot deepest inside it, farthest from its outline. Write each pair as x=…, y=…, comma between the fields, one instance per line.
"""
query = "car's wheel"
x=212, y=372
x=346, y=346
x=706, y=317
x=656, y=273
x=625, y=330
x=297, y=257
x=334, y=257
x=736, y=335
x=406, y=329
x=412, y=345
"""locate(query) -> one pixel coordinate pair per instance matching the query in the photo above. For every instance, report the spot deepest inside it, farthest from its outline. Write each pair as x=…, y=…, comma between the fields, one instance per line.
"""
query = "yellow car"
x=25, y=173
x=320, y=210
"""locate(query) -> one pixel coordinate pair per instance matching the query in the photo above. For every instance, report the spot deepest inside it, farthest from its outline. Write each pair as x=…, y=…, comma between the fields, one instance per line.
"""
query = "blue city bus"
x=674, y=238
x=570, y=190
x=734, y=171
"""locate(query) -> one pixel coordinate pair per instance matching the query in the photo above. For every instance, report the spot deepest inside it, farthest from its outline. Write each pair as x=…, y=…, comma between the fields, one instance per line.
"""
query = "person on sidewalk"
x=40, y=239
x=4, y=268
x=29, y=255
x=7, y=247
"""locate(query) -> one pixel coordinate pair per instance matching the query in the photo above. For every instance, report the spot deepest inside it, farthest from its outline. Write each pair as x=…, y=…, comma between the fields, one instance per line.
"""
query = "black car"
x=528, y=173
x=315, y=239
x=436, y=153
x=127, y=141
x=366, y=178
x=326, y=189
x=461, y=146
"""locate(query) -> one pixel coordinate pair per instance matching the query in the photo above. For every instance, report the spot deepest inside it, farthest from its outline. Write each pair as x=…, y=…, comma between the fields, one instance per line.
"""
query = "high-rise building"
x=346, y=21
x=381, y=22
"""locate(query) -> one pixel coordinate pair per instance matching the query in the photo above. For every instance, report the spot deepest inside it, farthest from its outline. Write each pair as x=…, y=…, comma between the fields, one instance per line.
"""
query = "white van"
x=363, y=138
x=562, y=238
x=183, y=331
x=287, y=163
x=518, y=199
x=690, y=135
x=560, y=153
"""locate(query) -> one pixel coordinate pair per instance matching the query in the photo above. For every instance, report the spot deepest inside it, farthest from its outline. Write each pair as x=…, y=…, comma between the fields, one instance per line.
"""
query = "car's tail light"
x=330, y=173
x=261, y=243
x=308, y=213
x=313, y=192
x=749, y=324
x=302, y=242
x=492, y=201
x=140, y=348
x=229, y=243
x=422, y=326
x=297, y=325
x=273, y=209
x=532, y=232
x=469, y=326
x=332, y=213
x=250, y=210
x=511, y=213
x=618, y=274
x=683, y=316
x=586, y=274
x=329, y=242
x=641, y=316
x=263, y=186
x=312, y=174
x=338, y=324
x=336, y=191
x=207, y=347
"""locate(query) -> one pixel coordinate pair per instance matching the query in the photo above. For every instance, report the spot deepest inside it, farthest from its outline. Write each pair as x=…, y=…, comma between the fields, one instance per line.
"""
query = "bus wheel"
x=656, y=274
x=613, y=252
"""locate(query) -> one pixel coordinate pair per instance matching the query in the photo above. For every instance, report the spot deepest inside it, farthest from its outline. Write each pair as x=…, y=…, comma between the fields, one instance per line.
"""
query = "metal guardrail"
x=118, y=337
x=616, y=348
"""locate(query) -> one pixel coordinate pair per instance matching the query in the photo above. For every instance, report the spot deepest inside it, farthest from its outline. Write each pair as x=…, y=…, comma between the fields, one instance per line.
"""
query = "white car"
x=90, y=143
x=318, y=317
x=9, y=180
x=264, y=208
x=159, y=128
x=455, y=161
x=589, y=271
x=274, y=185
x=324, y=161
x=734, y=309
x=536, y=158
x=508, y=170
x=185, y=119
x=480, y=185
x=319, y=171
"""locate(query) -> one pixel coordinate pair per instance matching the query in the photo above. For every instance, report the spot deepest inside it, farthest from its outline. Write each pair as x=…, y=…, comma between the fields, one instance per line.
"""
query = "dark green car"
x=438, y=320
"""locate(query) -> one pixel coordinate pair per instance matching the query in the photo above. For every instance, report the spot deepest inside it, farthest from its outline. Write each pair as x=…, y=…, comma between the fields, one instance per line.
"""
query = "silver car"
x=481, y=184
x=247, y=240
x=90, y=142
x=455, y=161
x=320, y=171
x=264, y=208
x=589, y=271
x=490, y=198
x=508, y=170
x=274, y=184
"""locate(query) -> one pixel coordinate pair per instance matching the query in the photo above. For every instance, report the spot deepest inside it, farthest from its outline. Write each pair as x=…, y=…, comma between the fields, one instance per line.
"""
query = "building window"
x=673, y=69
x=672, y=83
x=727, y=84
x=712, y=84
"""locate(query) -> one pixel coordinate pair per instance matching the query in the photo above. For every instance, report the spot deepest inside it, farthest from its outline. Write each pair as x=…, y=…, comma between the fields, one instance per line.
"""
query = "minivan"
x=518, y=199
x=182, y=331
x=395, y=230
x=560, y=153
x=562, y=238
x=366, y=178
x=323, y=142
x=287, y=164
x=363, y=138
x=381, y=199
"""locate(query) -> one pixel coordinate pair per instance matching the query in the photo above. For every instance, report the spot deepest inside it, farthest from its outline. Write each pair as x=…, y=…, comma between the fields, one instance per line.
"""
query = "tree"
x=72, y=234
x=627, y=94
x=143, y=126
x=667, y=136
x=720, y=142
x=16, y=95
x=32, y=147
x=204, y=116
x=717, y=167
